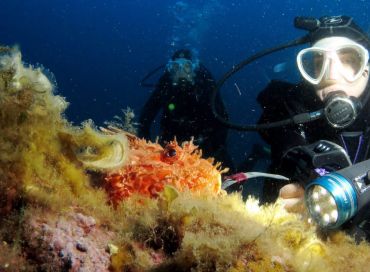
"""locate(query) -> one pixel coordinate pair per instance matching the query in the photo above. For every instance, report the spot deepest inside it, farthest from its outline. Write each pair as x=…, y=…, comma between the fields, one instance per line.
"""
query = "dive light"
x=335, y=198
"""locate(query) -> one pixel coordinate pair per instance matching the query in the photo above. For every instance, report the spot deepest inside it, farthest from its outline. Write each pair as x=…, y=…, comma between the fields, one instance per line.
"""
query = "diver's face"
x=181, y=72
x=335, y=64
x=334, y=81
x=345, y=67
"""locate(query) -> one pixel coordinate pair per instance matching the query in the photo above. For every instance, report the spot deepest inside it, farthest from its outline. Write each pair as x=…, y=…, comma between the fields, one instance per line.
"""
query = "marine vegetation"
x=80, y=198
x=124, y=122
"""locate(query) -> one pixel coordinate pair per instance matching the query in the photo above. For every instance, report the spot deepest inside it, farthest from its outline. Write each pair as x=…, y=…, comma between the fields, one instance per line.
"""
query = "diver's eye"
x=175, y=67
x=171, y=153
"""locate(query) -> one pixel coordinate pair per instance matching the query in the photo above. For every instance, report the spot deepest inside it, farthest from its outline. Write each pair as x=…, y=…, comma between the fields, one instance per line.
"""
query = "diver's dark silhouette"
x=183, y=93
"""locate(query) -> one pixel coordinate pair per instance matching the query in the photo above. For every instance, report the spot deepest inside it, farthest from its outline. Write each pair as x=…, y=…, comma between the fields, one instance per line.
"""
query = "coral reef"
x=58, y=182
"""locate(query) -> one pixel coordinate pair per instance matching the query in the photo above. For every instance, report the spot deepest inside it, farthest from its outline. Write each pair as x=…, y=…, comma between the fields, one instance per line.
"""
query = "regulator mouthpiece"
x=340, y=110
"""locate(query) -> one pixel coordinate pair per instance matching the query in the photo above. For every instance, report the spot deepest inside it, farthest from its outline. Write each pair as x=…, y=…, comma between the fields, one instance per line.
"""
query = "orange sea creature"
x=150, y=167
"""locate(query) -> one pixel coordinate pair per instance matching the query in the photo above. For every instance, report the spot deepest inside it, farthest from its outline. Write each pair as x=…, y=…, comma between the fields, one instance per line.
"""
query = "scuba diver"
x=321, y=125
x=335, y=70
x=183, y=94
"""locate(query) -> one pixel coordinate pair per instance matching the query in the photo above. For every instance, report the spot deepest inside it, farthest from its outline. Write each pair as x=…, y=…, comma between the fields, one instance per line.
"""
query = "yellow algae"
x=35, y=158
x=96, y=150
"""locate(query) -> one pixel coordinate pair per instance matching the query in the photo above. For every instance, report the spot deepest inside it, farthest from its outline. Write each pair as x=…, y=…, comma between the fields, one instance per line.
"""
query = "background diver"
x=183, y=94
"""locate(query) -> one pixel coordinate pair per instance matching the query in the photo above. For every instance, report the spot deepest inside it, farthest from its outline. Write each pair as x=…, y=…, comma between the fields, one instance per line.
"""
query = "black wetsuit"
x=281, y=100
x=187, y=113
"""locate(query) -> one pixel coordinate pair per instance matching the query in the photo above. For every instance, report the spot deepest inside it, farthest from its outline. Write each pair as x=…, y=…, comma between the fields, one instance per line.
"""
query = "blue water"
x=99, y=50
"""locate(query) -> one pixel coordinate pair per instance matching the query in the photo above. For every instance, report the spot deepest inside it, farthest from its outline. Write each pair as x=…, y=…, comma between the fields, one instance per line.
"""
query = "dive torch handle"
x=359, y=175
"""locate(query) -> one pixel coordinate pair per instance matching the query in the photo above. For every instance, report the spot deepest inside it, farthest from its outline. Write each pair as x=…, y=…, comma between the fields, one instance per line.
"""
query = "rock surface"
x=73, y=242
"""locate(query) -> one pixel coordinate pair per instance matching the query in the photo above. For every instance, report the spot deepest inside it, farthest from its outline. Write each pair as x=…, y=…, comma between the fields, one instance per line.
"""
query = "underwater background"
x=98, y=51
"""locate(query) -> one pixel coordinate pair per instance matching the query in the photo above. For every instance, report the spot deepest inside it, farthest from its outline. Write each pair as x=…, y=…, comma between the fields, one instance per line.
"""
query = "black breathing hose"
x=148, y=75
x=301, y=118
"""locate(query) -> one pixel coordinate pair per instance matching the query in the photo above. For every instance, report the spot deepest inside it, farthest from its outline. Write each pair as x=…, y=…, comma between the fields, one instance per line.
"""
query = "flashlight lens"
x=334, y=215
x=331, y=200
x=326, y=218
x=315, y=195
x=322, y=205
x=323, y=191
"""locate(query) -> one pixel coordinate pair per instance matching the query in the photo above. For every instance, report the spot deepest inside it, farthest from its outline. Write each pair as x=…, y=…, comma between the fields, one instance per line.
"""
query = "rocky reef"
x=79, y=198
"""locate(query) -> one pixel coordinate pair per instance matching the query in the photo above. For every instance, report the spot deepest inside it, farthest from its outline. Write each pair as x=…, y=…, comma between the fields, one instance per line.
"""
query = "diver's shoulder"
x=280, y=91
x=203, y=71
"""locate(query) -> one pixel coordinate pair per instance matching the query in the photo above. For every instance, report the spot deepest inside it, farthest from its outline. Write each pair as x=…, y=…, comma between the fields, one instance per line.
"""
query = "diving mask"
x=182, y=70
x=349, y=58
